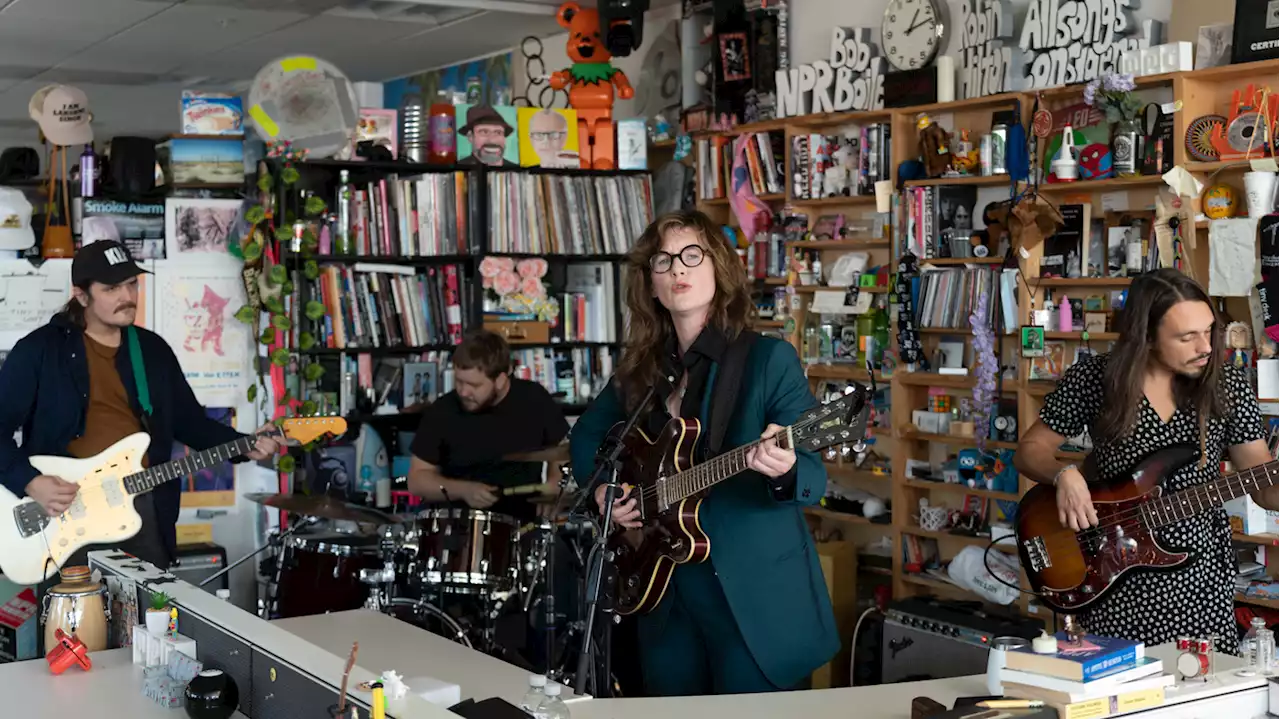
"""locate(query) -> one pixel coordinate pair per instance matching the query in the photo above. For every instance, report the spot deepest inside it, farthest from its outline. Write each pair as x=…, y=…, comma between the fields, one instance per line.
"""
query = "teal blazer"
x=760, y=546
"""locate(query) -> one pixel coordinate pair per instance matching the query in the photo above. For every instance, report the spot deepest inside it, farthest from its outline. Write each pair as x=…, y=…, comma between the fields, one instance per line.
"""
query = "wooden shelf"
x=1263, y=539
x=1038, y=388
x=850, y=244
x=1079, y=336
x=928, y=485
x=966, y=539
x=1113, y=184
x=976, y=180
x=933, y=379
x=954, y=440
x=769, y=324
x=1220, y=165
x=835, y=201
x=847, y=370
x=841, y=516
x=804, y=289
x=954, y=261
x=1224, y=73
x=772, y=281
x=848, y=471
x=949, y=331
x=1081, y=282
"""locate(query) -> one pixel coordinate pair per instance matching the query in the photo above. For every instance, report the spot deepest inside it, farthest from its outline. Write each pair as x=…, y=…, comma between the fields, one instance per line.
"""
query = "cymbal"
x=558, y=454
x=322, y=506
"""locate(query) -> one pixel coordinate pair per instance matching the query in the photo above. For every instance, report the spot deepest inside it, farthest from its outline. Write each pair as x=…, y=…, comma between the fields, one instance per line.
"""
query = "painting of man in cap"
x=486, y=130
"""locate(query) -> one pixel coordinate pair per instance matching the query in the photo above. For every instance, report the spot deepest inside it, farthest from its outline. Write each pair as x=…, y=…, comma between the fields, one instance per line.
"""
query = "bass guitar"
x=1071, y=570
x=33, y=545
x=670, y=490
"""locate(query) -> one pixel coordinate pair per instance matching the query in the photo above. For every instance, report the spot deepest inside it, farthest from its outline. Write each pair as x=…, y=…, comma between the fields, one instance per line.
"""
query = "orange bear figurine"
x=591, y=81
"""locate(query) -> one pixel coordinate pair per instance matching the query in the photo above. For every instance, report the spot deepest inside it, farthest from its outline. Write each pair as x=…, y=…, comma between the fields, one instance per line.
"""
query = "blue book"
x=1092, y=658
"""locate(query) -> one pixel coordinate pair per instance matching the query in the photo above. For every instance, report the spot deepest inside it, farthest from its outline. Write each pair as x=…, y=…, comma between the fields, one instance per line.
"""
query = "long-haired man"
x=1164, y=383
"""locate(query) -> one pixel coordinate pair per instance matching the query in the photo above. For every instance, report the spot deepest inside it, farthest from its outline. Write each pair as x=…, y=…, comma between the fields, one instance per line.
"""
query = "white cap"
x=15, y=220
x=551, y=690
x=537, y=680
x=63, y=114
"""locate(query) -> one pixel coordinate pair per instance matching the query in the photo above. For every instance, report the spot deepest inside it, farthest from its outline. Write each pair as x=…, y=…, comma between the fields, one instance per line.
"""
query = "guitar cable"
x=986, y=564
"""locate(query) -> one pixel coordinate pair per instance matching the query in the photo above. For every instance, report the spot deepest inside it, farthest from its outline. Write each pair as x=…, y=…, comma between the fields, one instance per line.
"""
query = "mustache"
x=1205, y=356
x=122, y=308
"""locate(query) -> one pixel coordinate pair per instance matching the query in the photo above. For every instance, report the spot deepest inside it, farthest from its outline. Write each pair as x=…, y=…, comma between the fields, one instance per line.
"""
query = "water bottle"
x=533, y=698
x=1258, y=650
x=552, y=707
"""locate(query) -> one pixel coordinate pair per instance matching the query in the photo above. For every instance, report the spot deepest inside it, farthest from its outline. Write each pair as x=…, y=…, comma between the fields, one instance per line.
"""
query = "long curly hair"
x=649, y=326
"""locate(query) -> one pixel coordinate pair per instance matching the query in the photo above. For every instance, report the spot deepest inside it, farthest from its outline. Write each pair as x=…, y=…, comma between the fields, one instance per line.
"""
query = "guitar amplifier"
x=927, y=638
x=197, y=562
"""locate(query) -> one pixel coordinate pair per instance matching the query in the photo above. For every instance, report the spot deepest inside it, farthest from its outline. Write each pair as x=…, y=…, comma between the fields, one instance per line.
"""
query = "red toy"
x=591, y=81
x=69, y=652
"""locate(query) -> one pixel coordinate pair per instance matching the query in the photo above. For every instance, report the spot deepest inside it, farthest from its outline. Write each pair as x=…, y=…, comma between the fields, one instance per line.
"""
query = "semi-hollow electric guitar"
x=33, y=545
x=1071, y=570
x=671, y=489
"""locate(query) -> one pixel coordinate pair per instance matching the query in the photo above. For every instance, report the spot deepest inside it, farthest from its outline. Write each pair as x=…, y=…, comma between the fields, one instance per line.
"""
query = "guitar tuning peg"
x=830, y=454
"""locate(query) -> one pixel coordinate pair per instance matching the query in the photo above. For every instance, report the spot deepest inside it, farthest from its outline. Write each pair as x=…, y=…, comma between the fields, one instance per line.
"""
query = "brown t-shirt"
x=110, y=418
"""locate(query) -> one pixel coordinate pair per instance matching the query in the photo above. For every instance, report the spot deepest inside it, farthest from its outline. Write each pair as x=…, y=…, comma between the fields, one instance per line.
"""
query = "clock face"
x=912, y=33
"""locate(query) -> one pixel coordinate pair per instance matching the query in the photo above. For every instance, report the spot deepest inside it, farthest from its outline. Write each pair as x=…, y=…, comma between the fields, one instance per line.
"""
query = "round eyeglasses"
x=690, y=256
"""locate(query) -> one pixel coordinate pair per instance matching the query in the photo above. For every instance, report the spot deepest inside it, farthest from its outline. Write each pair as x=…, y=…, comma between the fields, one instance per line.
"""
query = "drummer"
x=463, y=435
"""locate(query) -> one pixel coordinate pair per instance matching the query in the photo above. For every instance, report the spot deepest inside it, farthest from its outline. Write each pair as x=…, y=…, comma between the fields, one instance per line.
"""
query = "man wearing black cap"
x=487, y=132
x=71, y=387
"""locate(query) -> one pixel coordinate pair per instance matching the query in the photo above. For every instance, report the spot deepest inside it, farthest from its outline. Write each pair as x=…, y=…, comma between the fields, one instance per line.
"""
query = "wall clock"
x=913, y=32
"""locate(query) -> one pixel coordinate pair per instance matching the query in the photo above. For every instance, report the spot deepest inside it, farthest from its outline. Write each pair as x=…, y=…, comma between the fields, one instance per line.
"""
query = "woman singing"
x=754, y=617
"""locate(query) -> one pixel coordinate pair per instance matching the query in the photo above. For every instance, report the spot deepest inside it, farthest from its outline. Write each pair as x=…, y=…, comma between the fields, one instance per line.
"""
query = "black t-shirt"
x=470, y=445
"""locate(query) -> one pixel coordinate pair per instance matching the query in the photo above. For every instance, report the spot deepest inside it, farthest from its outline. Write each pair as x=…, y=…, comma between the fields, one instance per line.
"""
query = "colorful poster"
x=487, y=135
x=194, y=312
x=211, y=486
x=483, y=81
x=548, y=138
x=138, y=225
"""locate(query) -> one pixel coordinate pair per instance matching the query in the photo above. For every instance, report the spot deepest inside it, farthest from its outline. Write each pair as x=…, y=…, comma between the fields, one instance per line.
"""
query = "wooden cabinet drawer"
x=522, y=332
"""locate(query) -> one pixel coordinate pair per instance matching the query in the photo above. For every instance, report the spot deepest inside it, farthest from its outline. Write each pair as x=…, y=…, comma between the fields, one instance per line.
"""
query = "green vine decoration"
x=267, y=284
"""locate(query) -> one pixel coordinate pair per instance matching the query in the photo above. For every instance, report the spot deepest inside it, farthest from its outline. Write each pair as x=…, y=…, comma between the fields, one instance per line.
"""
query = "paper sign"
x=1115, y=201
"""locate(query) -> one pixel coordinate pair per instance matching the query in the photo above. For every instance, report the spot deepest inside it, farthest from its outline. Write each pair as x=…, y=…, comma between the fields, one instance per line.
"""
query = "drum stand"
x=274, y=540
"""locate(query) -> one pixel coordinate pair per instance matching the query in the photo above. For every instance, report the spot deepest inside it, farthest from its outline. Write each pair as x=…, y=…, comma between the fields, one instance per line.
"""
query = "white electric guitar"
x=34, y=546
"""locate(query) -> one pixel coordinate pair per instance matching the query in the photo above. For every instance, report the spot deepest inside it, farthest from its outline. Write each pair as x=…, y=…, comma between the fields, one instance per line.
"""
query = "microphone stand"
x=273, y=541
x=605, y=464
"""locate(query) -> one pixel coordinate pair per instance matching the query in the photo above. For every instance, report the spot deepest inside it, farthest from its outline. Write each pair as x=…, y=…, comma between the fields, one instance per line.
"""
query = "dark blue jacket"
x=44, y=391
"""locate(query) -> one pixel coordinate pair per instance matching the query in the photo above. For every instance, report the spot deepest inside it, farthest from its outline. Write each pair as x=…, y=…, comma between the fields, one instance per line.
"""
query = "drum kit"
x=456, y=572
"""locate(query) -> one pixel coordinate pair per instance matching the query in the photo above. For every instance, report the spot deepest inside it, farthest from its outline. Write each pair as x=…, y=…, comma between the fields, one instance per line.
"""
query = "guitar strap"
x=139, y=371
x=724, y=391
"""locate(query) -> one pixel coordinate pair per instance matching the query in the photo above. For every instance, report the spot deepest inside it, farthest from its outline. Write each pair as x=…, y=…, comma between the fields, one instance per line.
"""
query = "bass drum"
x=428, y=617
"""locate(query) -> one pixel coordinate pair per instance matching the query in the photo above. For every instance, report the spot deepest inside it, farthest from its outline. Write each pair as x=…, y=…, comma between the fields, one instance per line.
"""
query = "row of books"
x=375, y=305
x=574, y=375
x=762, y=153
x=846, y=164
x=939, y=220
x=588, y=307
x=567, y=215
x=945, y=298
x=424, y=215
x=1098, y=677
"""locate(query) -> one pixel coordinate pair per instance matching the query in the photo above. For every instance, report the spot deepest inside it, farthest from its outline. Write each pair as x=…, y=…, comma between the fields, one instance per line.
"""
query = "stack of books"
x=1098, y=677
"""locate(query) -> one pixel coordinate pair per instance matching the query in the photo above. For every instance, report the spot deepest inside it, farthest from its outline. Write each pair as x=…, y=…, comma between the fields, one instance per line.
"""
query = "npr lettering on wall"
x=1071, y=41
x=853, y=79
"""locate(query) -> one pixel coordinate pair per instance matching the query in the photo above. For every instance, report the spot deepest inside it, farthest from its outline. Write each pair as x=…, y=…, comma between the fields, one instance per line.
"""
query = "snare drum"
x=465, y=551
x=320, y=573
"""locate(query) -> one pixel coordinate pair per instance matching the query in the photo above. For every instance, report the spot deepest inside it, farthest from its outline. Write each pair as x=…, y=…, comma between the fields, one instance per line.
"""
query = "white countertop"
x=388, y=643
x=113, y=689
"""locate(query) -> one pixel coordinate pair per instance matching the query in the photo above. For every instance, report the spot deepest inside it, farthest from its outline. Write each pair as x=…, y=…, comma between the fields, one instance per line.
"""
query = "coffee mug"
x=996, y=661
x=1260, y=193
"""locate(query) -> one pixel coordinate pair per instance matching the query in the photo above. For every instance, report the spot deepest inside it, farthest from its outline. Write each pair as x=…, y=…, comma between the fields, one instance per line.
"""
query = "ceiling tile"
x=179, y=36
x=110, y=15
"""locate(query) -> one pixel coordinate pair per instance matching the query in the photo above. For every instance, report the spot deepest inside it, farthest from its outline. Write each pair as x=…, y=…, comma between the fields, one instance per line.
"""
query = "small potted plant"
x=158, y=614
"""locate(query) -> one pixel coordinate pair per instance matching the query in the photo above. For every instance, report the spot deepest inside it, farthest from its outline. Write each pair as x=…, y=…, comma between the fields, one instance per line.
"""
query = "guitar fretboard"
x=1193, y=501
x=149, y=479
x=698, y=478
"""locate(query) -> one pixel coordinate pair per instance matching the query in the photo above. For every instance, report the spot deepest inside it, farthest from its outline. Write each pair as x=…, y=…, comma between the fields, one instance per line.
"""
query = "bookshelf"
x=1200, y=92
x=422, y=234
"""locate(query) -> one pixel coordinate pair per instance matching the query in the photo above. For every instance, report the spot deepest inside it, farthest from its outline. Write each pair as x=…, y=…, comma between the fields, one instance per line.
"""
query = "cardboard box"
x=839, y=562
x=18, y=622
x=1248, y=518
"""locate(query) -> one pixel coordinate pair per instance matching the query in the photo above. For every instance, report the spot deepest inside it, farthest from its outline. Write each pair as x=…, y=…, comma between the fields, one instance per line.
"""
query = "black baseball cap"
x=105, y=261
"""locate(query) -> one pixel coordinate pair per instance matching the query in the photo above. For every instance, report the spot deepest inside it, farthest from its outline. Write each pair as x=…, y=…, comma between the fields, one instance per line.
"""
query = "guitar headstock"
x=834, y=422
x=306, y=429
